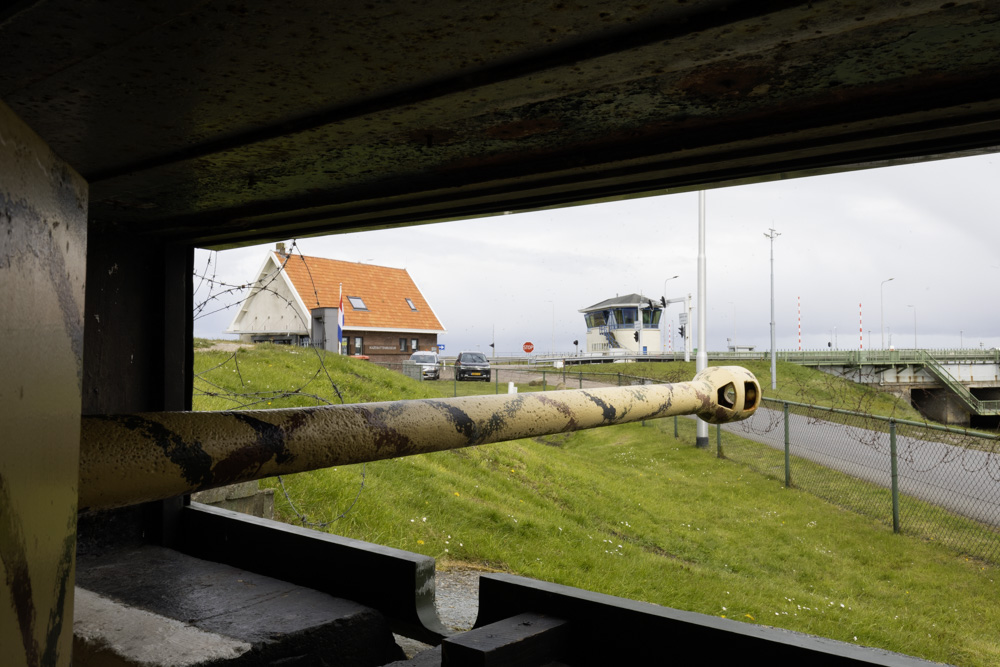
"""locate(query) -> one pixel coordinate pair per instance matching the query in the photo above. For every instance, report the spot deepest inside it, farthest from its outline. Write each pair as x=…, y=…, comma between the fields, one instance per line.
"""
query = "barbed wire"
x=218, y=291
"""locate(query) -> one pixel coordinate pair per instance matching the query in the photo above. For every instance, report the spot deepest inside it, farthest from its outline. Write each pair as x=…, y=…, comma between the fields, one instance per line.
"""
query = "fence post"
x=619, y=379
x=496, y=380
x=718, y=441
x=788, y=457
x=581, y=379
x=675, y=427
x=895, y=475
x=543, y=381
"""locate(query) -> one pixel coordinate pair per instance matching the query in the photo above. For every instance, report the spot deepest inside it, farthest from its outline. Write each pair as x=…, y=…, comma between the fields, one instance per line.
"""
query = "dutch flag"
x=340, y=320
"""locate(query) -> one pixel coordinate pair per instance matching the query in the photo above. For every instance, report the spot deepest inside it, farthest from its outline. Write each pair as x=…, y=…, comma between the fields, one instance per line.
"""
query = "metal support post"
x=894, y=471
x=788, y=452
x=701, y=361
x=774, y=361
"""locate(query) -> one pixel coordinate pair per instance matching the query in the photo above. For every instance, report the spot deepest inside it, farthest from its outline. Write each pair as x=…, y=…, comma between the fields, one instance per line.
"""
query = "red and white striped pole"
x=798, y=301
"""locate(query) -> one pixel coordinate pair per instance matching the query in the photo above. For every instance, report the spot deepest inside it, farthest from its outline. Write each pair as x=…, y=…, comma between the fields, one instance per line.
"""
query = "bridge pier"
x=940, y=405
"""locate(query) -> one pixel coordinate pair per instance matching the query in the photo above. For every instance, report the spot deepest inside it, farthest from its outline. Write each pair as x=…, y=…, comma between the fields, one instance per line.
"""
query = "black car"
x=472, y=366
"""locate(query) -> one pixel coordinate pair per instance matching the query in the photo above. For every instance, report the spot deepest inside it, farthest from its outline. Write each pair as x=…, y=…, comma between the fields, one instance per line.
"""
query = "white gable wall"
x=273, y=306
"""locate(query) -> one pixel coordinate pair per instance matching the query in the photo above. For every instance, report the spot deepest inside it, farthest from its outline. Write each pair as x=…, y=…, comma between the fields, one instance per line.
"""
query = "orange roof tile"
x=383, y=289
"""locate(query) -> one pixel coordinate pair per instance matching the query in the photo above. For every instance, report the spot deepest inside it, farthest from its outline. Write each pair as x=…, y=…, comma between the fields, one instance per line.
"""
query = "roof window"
x=357, y=303
x=409, y=302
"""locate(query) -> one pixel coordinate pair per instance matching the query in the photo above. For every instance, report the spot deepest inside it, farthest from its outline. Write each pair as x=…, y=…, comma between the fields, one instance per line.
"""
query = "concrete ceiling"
x=222, y=123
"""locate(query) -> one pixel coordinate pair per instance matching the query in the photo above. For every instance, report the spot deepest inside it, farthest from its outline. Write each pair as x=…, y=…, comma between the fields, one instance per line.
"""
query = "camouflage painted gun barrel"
x=127, y=459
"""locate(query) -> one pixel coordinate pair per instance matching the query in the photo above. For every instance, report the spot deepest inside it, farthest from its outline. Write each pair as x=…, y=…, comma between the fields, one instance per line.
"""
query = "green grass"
x=630, y=511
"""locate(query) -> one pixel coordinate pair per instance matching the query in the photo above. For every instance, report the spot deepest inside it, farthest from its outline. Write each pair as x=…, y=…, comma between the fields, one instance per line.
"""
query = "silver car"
x=430, y=365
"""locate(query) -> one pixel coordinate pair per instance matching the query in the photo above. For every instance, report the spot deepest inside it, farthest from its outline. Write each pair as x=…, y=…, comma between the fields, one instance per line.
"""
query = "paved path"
x=965, y=481
x=523, y=375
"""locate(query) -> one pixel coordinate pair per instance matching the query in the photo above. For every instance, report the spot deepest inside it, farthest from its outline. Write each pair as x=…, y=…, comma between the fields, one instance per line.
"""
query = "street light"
x=774, y=361
x=701, y=360
x=910, y=305
x=666, y=332
x=881, y=305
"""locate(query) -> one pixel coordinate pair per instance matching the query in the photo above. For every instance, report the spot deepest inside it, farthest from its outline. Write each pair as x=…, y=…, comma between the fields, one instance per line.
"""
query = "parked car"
x=430, y=365
x=472, y=366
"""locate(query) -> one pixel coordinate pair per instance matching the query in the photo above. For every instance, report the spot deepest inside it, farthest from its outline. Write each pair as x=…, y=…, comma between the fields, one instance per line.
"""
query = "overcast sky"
x=932, y=227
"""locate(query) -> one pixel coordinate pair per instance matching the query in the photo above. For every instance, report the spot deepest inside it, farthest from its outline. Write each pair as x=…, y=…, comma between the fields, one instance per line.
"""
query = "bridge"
x=939, y=383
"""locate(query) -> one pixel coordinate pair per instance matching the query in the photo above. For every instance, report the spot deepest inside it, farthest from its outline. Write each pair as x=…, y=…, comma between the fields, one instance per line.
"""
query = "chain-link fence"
x=935, y=482
x=940, y=483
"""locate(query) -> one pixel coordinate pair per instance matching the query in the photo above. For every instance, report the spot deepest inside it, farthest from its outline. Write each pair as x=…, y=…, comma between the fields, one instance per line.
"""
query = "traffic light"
x=493, y=346
x=576, y=342
x=635, y=334
x=663, y=301
x=680, y=330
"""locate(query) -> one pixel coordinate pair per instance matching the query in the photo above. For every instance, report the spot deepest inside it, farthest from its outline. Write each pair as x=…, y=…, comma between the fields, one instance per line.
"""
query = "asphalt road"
x=965, y=481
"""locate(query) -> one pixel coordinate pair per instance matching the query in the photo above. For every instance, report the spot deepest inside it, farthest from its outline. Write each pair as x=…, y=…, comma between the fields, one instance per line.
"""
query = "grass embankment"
x=632, y=512
x=796, y=383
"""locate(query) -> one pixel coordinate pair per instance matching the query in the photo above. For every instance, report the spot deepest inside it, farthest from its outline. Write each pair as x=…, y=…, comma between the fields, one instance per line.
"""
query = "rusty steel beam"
x=127, y=459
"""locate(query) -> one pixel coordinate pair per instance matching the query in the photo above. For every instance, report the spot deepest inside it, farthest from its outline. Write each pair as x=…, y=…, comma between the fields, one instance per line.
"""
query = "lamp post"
x=774, y=361
x=701, y=359
x=910, y=305
x=667, y=332
x=881, y=305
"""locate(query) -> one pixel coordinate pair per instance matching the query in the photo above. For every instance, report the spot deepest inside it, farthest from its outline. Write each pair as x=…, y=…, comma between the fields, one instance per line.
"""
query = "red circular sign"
x=528, y=347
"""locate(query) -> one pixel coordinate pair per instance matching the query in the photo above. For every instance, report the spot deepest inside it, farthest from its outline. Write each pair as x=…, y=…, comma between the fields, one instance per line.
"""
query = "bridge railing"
x=905, y=356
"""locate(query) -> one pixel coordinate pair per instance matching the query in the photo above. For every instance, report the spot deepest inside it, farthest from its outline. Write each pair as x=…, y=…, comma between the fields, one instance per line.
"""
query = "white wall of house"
x=272, y=307
x=597, y=343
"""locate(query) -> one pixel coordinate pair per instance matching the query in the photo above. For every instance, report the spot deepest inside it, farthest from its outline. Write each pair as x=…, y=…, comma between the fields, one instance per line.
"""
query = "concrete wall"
x=970, y=374
x=650, y=338
x=940, y=405
x=43, y=247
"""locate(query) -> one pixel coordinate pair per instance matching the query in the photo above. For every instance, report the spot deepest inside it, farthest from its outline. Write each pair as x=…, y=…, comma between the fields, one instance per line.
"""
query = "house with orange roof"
x=295, y=300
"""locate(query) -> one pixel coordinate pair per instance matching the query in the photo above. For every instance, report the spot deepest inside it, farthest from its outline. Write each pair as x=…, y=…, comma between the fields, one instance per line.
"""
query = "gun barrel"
x=128, y=459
